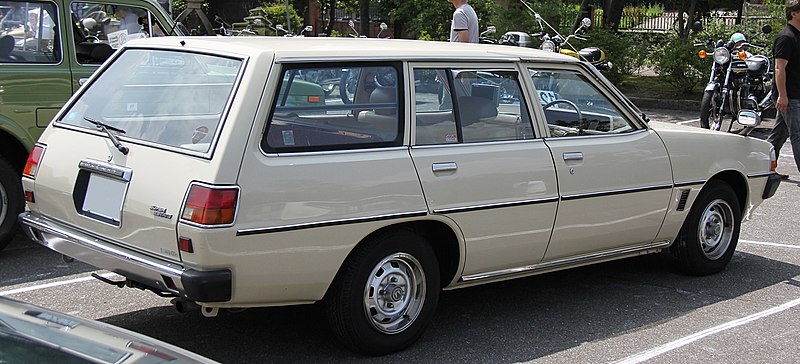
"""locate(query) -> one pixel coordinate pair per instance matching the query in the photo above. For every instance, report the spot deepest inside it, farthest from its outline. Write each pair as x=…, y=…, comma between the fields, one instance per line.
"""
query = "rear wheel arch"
x=13, y=150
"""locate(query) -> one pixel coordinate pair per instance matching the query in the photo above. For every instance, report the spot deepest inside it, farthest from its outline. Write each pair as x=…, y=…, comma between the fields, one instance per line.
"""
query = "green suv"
x=47, y=50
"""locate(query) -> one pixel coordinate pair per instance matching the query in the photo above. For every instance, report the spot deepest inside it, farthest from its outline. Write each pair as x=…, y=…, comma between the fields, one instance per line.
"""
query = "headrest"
x=474, y=108
x=6, y=45
x=382, y=95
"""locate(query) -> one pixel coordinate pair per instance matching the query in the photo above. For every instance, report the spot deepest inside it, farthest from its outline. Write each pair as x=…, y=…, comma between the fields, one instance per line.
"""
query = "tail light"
x=34, y=159
x=210, y=205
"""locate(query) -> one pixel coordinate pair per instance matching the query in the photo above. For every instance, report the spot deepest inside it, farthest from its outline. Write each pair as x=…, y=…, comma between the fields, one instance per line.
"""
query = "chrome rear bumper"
x=152, y=272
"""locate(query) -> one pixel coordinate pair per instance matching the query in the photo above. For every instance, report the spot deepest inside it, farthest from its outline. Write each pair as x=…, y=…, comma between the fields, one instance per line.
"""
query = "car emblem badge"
x=160, y=212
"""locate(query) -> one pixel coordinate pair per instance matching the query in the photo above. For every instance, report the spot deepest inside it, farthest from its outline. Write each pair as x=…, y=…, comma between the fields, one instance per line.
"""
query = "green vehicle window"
x=29, y=33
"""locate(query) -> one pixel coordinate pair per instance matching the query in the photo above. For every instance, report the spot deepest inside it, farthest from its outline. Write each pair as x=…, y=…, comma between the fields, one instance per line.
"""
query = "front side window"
x=176, y=99
x=573, y=106
x=463, y=106
x=29, y=33
x=318, y=108
x=101, y=28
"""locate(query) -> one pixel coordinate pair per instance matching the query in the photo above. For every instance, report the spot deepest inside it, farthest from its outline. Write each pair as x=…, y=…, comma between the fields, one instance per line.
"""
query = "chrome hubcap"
x=716, y=229
x=394, y=293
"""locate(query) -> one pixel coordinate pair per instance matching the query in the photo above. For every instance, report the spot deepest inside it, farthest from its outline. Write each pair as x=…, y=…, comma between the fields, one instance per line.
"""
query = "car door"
x=614, y=175
x=482, y=165
x=34, y=78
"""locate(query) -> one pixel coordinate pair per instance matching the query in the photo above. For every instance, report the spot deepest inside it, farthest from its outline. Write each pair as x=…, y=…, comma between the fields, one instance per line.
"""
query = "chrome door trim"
x=616, y=192
x=689, y=183
x=317, y=224
x=495, y=205
x=566, y=262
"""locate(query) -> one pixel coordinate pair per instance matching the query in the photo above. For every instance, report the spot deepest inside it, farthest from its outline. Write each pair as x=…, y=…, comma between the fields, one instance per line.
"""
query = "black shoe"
x=782, y=176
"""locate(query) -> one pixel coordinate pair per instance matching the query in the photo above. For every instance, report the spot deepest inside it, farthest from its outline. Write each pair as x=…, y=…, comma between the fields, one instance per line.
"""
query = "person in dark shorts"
x=786, y=50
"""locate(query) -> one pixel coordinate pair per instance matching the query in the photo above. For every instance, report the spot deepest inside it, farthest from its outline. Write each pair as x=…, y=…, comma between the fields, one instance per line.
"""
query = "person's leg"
x=793, y=124
x=779, y=132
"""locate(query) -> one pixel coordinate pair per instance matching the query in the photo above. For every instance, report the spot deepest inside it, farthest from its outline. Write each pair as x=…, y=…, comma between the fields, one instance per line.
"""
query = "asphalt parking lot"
x=630, y=311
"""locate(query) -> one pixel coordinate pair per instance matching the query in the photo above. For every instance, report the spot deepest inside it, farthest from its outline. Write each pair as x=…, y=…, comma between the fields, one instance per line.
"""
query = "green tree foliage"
x=425, y=19
x=276, y=14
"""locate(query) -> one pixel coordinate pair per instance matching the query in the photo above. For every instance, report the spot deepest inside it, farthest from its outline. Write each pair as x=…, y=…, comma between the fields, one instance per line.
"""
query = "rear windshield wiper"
x=107, y=129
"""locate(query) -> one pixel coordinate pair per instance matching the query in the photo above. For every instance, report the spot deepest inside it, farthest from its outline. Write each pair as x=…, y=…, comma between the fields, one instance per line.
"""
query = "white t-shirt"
x=464, y=18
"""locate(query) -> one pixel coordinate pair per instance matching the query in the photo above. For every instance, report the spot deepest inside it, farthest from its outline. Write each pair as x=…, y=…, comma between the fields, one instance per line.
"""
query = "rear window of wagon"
x=175, y=99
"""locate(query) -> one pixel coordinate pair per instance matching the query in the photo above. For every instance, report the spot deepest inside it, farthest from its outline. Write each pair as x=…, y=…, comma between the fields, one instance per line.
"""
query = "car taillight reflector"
x=210, y=206
x=32, y=165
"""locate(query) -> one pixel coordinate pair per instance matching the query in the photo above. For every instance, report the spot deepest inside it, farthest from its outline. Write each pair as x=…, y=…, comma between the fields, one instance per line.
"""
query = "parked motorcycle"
x=740, y=82
x=553, y=41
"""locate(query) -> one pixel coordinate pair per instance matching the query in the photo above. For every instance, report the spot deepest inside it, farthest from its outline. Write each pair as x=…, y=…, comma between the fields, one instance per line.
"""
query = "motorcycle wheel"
x=708, y=110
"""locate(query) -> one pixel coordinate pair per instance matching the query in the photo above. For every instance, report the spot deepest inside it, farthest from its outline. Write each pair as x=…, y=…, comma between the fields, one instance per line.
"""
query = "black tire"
x=707, y=109
x=376, y=311
x=11, y=202
x=710, y=233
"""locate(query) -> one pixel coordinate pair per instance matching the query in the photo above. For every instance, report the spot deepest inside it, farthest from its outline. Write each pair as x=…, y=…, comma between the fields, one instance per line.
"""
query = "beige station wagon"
x=187, y=166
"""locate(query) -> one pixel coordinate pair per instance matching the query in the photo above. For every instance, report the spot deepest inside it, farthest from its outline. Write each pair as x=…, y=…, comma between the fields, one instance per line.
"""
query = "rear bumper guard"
x=152, y=272
x=773, y=181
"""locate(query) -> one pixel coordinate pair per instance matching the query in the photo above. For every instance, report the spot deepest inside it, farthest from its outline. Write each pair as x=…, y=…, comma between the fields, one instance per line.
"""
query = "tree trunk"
x=331, y=15
x=363, y=6
x=740, y=8
x=612, y=14
x=685, y=27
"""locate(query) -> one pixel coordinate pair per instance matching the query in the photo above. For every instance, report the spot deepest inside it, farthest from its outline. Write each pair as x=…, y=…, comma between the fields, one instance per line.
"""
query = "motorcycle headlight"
x=549, y=46
x=721, y=55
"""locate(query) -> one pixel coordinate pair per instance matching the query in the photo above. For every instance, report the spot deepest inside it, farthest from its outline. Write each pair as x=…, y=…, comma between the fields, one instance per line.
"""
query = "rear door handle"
x=444, y=167
x=574, y=156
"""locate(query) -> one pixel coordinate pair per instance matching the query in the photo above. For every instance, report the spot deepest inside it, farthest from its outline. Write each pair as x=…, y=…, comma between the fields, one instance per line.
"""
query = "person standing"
x=786, y=50
x=464, y=26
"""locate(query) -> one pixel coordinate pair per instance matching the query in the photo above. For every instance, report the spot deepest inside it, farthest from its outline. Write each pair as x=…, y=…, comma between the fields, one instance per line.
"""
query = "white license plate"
x=104, y=197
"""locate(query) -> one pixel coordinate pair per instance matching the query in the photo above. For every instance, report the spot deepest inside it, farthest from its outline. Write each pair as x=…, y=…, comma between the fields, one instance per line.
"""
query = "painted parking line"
x=770, y=244
x=687, y=122
x=652, y=353
x=53, y=284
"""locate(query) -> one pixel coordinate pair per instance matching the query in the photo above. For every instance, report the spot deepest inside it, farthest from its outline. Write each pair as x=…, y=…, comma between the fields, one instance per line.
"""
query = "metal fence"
x=637, y=20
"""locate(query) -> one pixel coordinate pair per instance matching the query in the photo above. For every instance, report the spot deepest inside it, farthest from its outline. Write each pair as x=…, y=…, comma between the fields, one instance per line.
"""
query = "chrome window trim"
x=760, y=175
x=483, y=59
x=455, y=210
x=477, y=144
x=566, y=262
x=310, y=225
x=616, y=192
x=334, y=152
x=593, y=136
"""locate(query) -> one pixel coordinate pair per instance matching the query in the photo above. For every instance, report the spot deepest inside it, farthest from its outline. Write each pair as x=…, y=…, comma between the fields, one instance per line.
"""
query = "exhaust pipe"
x=183, y=305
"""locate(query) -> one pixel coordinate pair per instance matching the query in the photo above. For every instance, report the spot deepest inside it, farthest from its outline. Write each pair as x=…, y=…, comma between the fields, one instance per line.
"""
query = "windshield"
x=175, y=99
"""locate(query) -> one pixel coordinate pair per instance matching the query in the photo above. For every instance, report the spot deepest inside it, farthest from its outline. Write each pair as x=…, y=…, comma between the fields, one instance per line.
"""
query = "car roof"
x=331, y=49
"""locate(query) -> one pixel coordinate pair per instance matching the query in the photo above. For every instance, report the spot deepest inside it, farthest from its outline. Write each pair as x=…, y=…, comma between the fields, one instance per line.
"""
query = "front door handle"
x=445, y=167
x=574, y=156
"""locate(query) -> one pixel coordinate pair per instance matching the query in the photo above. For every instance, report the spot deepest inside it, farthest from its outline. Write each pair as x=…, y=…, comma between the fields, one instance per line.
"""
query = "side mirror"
x=586, y=22
x=383, y=26
x=491, y=29
x=279, y=27
x=749, y=118
x=766, y=29
x=697, y=27
x=351, y=24
x=308, y=29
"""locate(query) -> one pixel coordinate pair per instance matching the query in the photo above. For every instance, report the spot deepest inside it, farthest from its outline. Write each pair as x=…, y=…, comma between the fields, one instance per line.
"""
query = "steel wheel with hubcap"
x=385, y=293
x=710, y=233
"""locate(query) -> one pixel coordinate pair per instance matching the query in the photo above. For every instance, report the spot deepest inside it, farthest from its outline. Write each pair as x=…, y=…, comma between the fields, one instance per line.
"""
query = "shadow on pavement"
x=24, y=261
x=505, y=322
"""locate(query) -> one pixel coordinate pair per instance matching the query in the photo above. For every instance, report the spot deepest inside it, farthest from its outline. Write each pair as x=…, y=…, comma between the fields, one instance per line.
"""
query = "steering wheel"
x=571, y=104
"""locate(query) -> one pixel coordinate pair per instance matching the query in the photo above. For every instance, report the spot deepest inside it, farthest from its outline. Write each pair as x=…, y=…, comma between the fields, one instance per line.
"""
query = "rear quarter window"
x=336, y=107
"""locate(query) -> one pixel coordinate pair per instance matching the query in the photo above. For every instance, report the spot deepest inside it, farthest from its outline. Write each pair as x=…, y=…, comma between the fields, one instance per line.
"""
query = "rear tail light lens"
x=773, y=157
x=210, y=205
x=34, y=159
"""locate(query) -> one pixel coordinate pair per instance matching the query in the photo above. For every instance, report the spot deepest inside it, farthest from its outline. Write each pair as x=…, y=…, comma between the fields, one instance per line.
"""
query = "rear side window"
x=468, y=106
x=175, y=99
x=336, y=107
x=29, y=32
